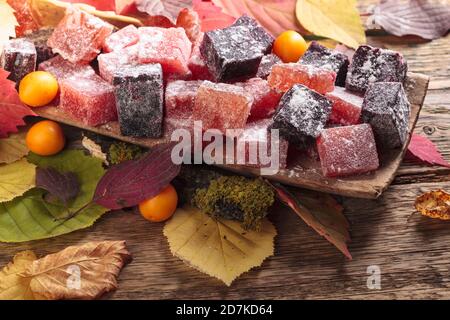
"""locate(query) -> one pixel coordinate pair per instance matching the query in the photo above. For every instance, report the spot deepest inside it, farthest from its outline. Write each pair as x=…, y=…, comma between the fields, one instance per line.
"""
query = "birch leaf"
x=219, y=248
x=15, y=179
x=13, y=148
x=12, y=285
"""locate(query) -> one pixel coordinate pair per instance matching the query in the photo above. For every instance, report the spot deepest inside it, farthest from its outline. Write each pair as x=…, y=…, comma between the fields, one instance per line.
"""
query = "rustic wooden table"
x=413, y=257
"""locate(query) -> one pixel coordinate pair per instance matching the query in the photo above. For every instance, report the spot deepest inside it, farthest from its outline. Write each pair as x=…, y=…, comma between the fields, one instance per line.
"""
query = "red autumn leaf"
x=63, y=186
x=319, y=211
x=275, y=16
x=129, y=183
x=12, y=110
x=423, y=149
x=105, y=5
x=211, y=16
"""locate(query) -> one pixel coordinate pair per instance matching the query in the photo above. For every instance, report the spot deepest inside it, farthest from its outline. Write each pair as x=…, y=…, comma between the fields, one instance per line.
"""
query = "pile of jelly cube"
x=154, y=80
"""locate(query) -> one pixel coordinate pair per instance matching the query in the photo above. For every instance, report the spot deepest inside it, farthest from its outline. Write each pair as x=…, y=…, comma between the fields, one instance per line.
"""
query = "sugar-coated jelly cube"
x=267, y=62
x=63, y=69
x=371, y=65
x=79, y=36
x=123, y=38
x=284, y=76
x=39, y=39
x=108, y=63
x=139, y=96
x=349, y=150
x=387, y=109
x=301, y=115
x=89, y=100
x=25, y=21
x=222, y=106
x=346, y=109
x=319, y=56
x=19, y=58
x=197, y=64
x=180, y=98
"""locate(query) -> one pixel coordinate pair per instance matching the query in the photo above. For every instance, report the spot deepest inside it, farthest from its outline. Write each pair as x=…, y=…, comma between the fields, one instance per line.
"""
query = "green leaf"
x=16, y=178
x=29, y=217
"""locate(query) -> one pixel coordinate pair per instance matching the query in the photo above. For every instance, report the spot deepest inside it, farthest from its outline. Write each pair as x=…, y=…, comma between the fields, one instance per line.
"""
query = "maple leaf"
x=434, y=204
x=12, y=110
x=211, y=16
x=423, y=149
x=8, y=22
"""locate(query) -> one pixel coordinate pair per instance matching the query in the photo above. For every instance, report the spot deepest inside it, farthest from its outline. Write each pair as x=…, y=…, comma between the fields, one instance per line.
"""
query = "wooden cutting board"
x=302, y=171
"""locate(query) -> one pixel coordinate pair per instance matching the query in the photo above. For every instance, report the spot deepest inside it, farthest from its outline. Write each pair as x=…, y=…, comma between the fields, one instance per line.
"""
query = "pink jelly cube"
x=283, y=76
x=345, y=151
x=172, y=124
x=265, y=99
x=197, y=63
x=79, y=36
x=123, y=38
x=108, y=63
x=256, y=138
x=89, y=100
x=346, y=109
x=170, y=47
x=222, y=106
x=63, y=69
x=180, y=98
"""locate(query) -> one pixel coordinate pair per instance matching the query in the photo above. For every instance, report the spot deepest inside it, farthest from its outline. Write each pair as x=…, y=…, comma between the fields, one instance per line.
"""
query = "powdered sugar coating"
x=222, y=106
x=197, y=64
x=39, y=39
x=79, y=36
x=349, y=150
x=180, y=98
x=301, y=115
x=18, y=57
x=283, y=76
x=121, y=39
x=63, y=69
x=371, y=65
x=387, y=109
x=322, y=57
x=264, y=38
x=109, y=63
x=267, y=62
x=346, y=109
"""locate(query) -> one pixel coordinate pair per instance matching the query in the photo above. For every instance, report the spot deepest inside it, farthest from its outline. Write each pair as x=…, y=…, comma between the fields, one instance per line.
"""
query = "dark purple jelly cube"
x=267, y=62
x=371, y=65
x=139, y=99
x=258, y=32
x=301, y=115
x=236, y=51
x=322, y=57
x=387, y=109
x=39, y=39
x=19, y=58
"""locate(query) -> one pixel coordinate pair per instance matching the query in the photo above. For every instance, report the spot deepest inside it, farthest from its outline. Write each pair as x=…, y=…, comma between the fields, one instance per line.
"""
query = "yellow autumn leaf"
x=434, y=204
x=8, y=22
x=13, y=148
x=16, y=178
x=219, y=248
x=13, y=286
x=335, y=19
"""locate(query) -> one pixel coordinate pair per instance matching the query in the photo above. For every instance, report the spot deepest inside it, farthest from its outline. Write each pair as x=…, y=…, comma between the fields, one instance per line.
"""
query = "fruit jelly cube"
x=301, y=114
x=322, y=57
x=169, y=47
x=109, y=63
x=89, y=100
x=139, y=96
x=189, y=20
x=197, y=64
x=63, y=69
x=283, y=76
x=386, y=108
x=234, y=52
x=39, y=39
x=265, y=99
x=79, y=36
x=258, y=32
x=180, y=98
x=222, y=106
x=346, y=109
x=123, y=38
x=371, y=65
x=25, y=20
x=172, y=124
x=267, y=62
x=349, y=150
x=19, y=58
x=257, y=135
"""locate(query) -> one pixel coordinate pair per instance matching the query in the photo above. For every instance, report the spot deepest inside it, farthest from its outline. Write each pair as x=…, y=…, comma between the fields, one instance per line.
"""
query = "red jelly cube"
x=22, y=12
x=180, y=98
x=108, y=63
x=346, y=108
x=197, y=63
x=79, y=36
x=123, y=38
x=265, y=99
x=283, y=76
x=63, y=69
x=169, y=47
x=345, y=151
x=89, y=100
x=222, y=106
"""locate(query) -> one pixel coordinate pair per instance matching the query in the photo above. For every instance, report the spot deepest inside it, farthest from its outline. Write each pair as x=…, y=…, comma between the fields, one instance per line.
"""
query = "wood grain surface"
x=413, y=256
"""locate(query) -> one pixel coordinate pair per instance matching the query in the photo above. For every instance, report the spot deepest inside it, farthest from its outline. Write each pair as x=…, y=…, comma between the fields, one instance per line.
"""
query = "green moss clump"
x=120, y=151
x=238, y=198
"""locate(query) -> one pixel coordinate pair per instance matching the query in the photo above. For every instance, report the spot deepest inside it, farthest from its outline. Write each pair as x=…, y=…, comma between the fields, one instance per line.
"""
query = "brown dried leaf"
x=434, y=204
x=78, y=272
x=12, y=285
